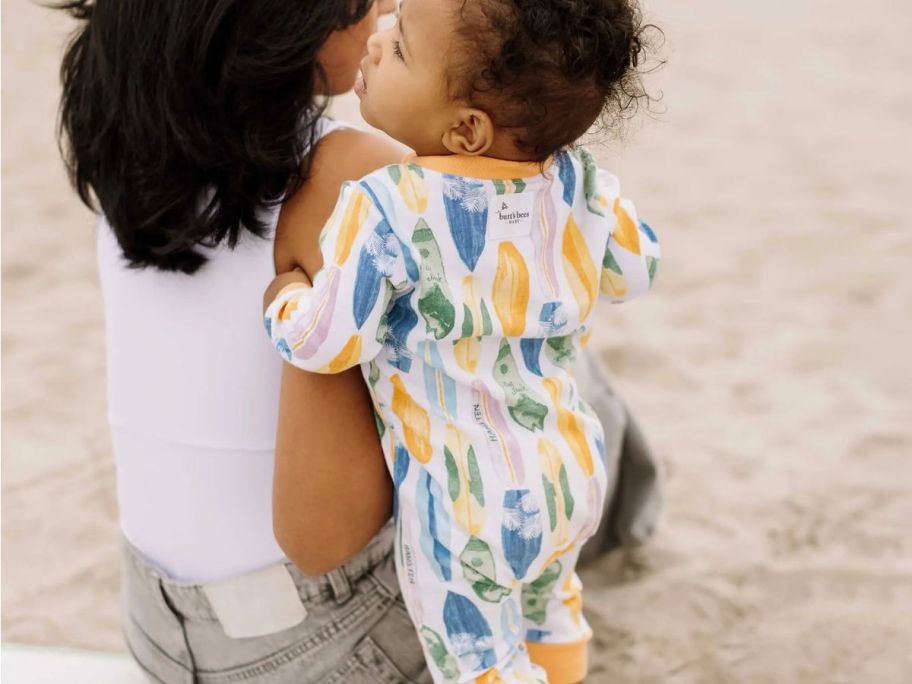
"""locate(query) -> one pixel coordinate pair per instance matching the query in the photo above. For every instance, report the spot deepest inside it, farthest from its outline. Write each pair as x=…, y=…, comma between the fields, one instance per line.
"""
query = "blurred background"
x=769, y=367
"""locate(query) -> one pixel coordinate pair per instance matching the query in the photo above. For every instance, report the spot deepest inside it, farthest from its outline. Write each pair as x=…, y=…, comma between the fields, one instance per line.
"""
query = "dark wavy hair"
x=182, y=119
x=549, y=69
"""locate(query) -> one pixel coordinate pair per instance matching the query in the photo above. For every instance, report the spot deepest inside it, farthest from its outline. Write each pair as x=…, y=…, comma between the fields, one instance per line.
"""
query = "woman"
x=195, y=128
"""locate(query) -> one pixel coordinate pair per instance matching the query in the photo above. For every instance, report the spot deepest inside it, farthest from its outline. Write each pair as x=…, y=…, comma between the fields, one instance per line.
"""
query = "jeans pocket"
x=370, y=665
x=389, y=654
x=307, y=654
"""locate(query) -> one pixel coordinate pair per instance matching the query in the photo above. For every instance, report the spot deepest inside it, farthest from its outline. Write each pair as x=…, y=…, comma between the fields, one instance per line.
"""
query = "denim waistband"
x=190, y=600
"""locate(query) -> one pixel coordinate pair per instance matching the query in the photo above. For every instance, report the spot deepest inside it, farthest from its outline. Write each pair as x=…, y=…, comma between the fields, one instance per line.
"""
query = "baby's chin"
x=368, y=115
x=365, y=112
x=372, y=120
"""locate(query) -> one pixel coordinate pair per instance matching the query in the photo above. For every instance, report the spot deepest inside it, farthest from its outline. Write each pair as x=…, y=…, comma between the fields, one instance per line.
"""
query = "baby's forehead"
x=436, y=16
x=427, y=10
x=440, y=27
x=429, y=27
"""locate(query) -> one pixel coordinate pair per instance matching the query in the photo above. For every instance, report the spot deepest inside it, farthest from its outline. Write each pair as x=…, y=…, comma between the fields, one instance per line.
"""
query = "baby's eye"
x=397, y=50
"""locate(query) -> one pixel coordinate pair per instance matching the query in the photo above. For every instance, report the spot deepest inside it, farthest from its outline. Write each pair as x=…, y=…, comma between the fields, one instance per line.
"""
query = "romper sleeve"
x=632, y=254
x=339, y=322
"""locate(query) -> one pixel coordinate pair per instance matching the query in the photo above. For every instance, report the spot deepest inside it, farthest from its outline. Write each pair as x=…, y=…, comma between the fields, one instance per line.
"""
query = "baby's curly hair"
x=548, y=69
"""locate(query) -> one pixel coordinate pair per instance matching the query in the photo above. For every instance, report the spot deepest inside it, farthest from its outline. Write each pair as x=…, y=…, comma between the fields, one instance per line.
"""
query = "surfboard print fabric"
x=465, y=288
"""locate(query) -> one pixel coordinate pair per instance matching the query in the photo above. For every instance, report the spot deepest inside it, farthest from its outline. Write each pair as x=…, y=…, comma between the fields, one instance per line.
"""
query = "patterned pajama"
x=465, y=287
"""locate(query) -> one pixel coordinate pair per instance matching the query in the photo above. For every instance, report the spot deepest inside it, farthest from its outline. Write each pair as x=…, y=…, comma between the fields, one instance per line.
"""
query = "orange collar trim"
x=485, y=168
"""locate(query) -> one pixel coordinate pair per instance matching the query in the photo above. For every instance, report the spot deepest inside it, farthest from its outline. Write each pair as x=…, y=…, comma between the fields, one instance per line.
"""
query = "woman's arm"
x=331, y=491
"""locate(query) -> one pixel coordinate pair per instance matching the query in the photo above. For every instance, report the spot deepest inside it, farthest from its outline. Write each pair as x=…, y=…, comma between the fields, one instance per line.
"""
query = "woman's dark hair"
x=182, y=119
x=549, y=69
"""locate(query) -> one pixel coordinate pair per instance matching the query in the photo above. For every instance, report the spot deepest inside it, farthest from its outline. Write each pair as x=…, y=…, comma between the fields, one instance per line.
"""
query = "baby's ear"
x=472, y=132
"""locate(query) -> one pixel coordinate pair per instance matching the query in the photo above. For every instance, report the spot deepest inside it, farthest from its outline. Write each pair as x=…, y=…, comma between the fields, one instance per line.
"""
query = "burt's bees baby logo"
x=512, y=216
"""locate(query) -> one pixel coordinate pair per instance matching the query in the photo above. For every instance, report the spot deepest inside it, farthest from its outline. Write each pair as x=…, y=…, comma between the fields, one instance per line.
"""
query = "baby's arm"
x=335, y=324
x=282, y=283
x=632, y=256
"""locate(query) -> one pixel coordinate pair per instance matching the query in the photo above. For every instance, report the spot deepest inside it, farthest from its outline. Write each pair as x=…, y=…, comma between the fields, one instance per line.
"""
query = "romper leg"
x=455, y=585
x=556, y=632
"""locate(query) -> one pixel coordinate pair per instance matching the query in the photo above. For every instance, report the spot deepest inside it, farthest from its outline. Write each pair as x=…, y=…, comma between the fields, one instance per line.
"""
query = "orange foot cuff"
x=564, y=663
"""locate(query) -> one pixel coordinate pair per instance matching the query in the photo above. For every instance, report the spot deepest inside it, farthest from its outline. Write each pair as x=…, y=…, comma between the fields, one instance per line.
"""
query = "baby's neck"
x=480, y=166
x=503, y=149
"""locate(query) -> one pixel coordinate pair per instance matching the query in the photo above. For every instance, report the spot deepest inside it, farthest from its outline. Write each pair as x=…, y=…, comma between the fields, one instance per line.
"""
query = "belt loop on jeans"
x=341, y=587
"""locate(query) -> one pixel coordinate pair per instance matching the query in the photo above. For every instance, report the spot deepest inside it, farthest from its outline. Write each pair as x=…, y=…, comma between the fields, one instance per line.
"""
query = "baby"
x=464, y=281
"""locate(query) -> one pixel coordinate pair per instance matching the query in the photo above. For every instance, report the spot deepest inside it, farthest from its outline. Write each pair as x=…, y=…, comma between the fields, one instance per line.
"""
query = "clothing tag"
x=510, y=216
x=256, y=604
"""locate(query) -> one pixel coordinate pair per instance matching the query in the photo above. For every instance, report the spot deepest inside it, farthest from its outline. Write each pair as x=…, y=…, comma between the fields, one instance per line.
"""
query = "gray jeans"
x=357, y=630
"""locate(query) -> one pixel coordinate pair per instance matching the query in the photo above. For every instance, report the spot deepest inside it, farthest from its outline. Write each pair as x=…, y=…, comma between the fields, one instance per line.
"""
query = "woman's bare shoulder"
x=346, y=154
x=359, y=152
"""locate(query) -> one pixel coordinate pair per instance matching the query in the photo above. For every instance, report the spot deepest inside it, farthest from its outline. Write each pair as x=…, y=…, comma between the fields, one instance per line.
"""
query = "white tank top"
x=193, y=424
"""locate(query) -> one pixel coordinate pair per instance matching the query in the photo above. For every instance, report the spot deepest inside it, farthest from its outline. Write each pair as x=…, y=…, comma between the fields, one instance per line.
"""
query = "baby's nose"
x=386, y=6
x=375, y=47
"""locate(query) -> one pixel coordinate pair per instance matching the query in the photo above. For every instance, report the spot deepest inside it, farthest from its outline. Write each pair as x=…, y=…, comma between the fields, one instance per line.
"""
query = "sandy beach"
x=767, y=367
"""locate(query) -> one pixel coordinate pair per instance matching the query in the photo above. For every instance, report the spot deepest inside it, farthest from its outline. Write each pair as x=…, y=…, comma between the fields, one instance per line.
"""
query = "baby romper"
x=464, y=286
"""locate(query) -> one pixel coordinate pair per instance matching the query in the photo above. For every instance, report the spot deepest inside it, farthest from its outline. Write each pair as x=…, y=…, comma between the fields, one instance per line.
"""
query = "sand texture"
x=767, y=367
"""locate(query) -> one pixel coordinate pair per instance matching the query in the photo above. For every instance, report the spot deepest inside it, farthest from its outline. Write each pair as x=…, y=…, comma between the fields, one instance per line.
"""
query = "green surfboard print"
x=522, y=405
x=435, y=303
